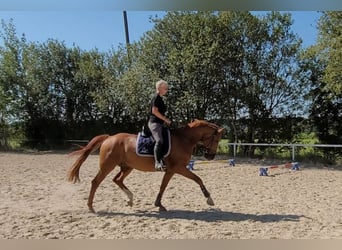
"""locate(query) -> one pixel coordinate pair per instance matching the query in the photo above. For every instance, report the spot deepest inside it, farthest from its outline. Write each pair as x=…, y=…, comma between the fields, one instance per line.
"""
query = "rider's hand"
x=167, y=121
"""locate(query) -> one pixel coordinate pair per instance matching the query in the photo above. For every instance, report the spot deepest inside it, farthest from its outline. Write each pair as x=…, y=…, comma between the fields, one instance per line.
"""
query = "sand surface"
x=37, y=202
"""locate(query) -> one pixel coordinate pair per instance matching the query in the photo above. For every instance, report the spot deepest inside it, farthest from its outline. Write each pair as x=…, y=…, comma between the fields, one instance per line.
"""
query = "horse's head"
x=210, y=135
x=211, y=142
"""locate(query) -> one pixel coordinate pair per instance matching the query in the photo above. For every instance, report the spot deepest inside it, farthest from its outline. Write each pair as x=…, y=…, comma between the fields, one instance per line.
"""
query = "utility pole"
x=126, y=27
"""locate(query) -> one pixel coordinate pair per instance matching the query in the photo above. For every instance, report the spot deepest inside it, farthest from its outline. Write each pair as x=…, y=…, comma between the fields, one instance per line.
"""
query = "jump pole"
x=290, y=165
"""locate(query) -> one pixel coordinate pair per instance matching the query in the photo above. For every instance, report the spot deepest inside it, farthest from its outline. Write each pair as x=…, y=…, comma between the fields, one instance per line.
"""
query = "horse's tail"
x=94, y=144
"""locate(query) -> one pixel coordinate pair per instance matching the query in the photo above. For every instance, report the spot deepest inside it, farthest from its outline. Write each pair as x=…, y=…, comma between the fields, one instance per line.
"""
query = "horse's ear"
x=220, y=130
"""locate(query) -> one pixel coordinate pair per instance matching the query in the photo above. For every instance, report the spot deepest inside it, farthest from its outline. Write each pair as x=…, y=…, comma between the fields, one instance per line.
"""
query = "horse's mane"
x=194, y=124
x=199, y=123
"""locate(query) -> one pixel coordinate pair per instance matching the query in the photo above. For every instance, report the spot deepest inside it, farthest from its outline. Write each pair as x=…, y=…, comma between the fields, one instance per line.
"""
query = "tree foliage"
x=329, y=49
x=227, y=66
x=322, y=66
x=234, y=68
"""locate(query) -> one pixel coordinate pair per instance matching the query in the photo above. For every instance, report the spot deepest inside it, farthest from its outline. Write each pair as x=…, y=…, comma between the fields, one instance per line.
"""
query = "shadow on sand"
x=211, y=215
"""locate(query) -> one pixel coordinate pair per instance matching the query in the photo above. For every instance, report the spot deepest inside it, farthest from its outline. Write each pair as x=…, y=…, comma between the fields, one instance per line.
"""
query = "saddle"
x=145, y=142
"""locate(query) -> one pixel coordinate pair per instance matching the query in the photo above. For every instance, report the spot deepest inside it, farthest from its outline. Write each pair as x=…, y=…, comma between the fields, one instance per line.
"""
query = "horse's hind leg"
x=105, y=169
x=118, y=180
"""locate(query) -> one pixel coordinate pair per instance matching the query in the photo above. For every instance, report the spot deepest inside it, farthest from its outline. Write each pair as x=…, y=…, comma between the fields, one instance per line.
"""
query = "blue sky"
x=105, y=29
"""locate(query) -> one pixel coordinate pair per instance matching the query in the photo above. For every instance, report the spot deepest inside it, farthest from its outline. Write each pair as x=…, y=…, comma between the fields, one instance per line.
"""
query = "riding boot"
x=159, y=166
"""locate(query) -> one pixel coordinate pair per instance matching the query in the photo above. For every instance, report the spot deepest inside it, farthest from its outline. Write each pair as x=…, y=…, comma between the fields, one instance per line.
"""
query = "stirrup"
x=160, y=167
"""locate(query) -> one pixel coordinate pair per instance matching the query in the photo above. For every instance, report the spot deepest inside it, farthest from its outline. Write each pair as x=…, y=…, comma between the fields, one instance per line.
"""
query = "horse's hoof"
x=130, y=203
x=162, y=209
x=210, y=201
x=91, y=210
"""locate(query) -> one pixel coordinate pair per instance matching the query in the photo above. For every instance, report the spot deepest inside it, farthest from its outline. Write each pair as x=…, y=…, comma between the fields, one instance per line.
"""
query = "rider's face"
x=163, y=89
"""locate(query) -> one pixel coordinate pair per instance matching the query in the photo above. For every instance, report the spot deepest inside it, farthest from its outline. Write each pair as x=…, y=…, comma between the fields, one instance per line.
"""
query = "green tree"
x=270, y=76
x=11, y=79
x=329, y=49
x=118, y=96
x=322, y=64
x=230, y=67
x=181, y=50
x=227, y=66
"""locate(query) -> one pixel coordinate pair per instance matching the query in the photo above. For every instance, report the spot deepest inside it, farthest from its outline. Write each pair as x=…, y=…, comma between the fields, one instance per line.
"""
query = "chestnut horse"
x=119, y=149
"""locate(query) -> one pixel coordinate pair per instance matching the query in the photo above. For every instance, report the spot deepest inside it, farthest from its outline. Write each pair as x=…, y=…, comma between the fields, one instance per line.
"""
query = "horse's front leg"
x=188, y=174
x=207, y=195
x=165, y=182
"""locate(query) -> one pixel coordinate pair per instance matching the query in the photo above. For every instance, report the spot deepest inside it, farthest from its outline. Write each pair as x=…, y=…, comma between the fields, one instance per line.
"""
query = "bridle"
x=208, y=142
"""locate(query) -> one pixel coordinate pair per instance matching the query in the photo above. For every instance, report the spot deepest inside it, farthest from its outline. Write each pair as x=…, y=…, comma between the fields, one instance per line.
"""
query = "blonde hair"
x=160, y=83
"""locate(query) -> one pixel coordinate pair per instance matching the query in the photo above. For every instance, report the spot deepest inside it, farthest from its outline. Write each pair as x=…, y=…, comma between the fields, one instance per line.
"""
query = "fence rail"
x=235, y=145
x=293, y=146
